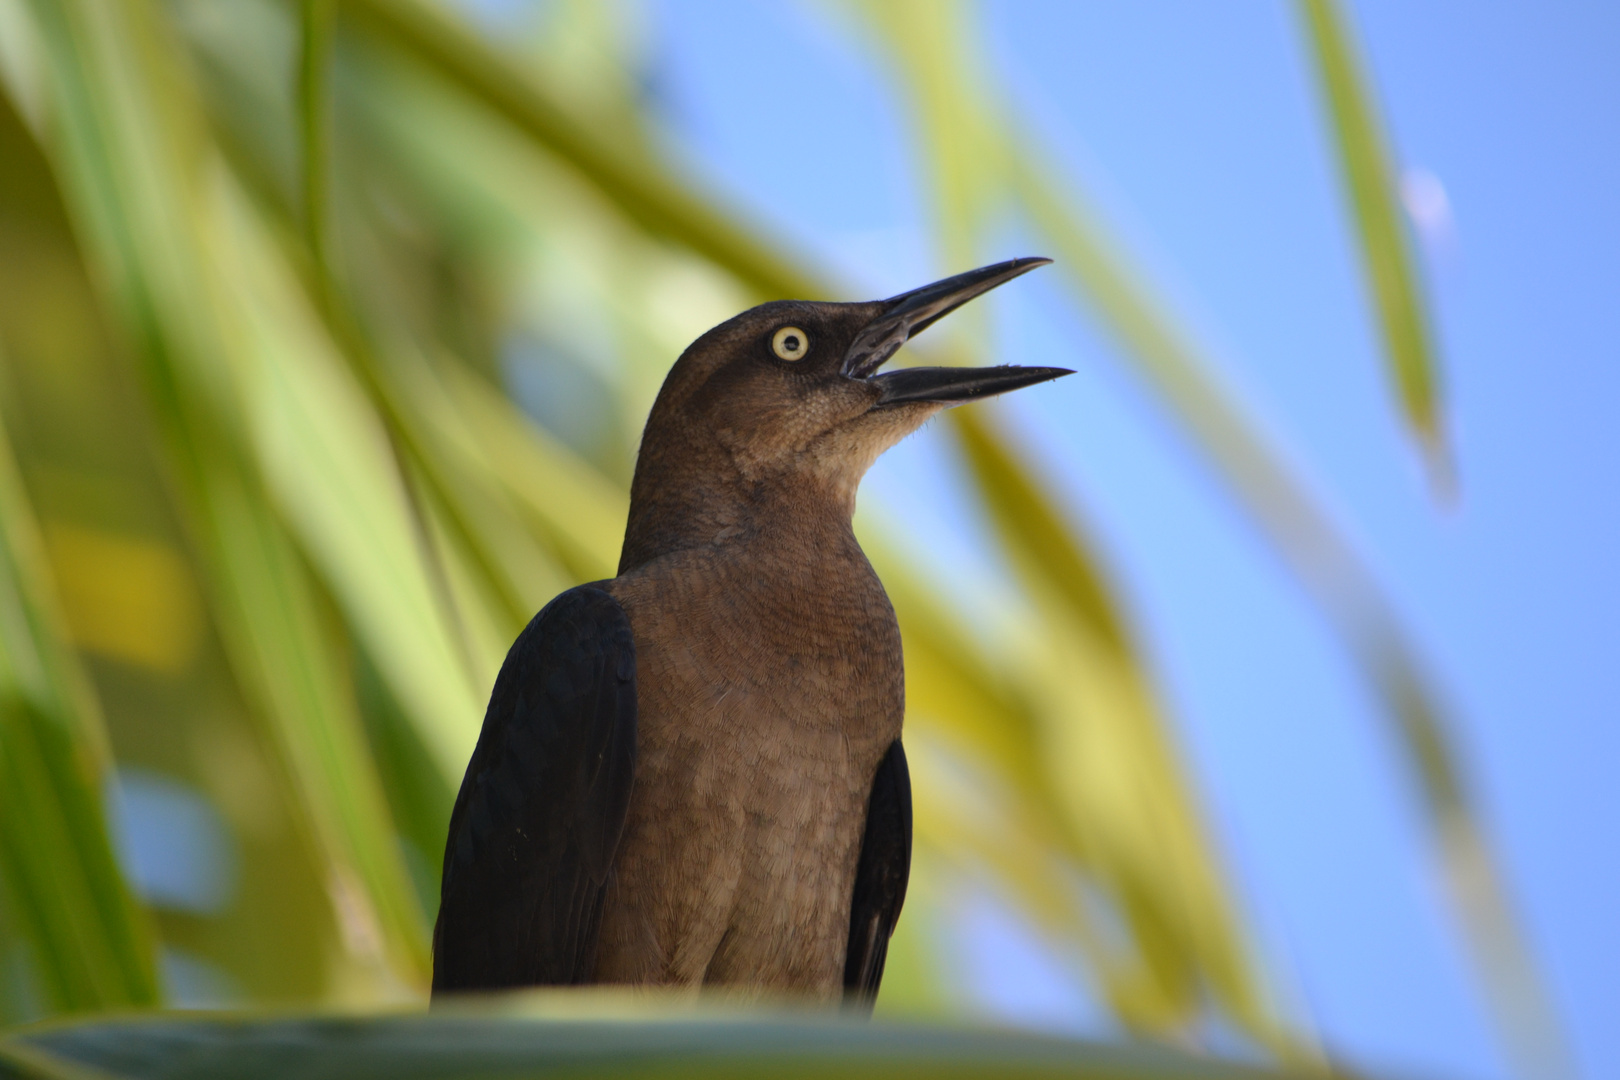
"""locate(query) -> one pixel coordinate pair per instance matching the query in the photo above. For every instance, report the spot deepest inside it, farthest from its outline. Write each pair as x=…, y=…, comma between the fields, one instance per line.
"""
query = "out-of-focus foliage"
x=610, y=1037
x=1369, y=176
x=67, y=896
x=329, y=327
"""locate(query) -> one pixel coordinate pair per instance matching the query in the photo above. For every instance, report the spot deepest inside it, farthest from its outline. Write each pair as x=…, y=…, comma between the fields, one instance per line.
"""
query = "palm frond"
x=1373, y=186
x=87, y=940
x=155, y=215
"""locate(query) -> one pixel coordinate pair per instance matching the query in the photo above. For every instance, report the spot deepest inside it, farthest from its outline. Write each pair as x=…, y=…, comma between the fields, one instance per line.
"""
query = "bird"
x=691, y=775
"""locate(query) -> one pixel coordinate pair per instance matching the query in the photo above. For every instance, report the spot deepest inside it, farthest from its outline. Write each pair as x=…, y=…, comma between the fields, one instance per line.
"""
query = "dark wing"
x=540, y=811
x=880, y=879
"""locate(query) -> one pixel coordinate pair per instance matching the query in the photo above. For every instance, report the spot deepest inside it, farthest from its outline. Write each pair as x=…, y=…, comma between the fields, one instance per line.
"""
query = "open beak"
x=912, y=312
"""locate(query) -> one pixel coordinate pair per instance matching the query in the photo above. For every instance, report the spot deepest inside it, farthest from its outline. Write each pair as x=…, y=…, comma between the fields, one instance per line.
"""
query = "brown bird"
x=692, y=774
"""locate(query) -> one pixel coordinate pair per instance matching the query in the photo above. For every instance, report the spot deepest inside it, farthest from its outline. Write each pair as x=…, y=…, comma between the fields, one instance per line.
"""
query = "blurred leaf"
x=1373, y=185
x=1045, y=543
x=502, y=578
x=419, y=794
x=592, y=1035
x=90, y=944
x=979, y=783
x=147, y=196
x=1342, y=587
x=645, y=189
x=1068, y=761
x=126, y=597
x=582, y=514
x=1127, y=795
x=314, y=123
x=22, y=1062
x=330, y=467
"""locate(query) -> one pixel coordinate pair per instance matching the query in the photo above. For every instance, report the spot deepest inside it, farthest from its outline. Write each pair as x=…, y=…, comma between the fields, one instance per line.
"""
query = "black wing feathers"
x=542, y=805
x=880, y=879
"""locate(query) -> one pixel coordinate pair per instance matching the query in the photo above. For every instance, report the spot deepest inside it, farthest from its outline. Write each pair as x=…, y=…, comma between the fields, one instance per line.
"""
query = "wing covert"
x=542, y=805
x=880, y=879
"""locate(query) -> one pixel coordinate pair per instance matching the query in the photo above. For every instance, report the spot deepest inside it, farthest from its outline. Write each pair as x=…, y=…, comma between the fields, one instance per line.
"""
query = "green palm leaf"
x=1373, y=186
x=153, y=214
x=617, y=1038
x=66, y=898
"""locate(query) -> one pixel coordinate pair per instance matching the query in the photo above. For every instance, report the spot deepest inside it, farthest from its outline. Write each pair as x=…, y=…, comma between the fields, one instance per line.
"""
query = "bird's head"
x=787, y=398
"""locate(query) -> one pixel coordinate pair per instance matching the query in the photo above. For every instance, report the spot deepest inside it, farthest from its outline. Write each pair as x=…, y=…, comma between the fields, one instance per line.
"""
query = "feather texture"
x=542, y=806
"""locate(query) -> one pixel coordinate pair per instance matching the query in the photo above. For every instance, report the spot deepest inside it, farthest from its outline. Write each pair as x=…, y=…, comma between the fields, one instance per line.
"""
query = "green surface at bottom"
x=418, y=1047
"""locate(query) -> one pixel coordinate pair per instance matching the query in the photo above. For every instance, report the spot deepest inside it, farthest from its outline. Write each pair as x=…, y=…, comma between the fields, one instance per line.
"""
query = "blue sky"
x=1198, y=127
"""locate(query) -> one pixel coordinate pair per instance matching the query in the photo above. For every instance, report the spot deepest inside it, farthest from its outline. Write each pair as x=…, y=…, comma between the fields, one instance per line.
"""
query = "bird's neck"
x=789, y=516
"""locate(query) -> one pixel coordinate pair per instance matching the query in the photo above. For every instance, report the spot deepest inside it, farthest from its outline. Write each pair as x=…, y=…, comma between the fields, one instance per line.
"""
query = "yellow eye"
x=790, y=343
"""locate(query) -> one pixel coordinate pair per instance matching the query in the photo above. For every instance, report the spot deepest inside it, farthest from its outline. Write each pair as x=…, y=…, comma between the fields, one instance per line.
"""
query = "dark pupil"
x=790, y=343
